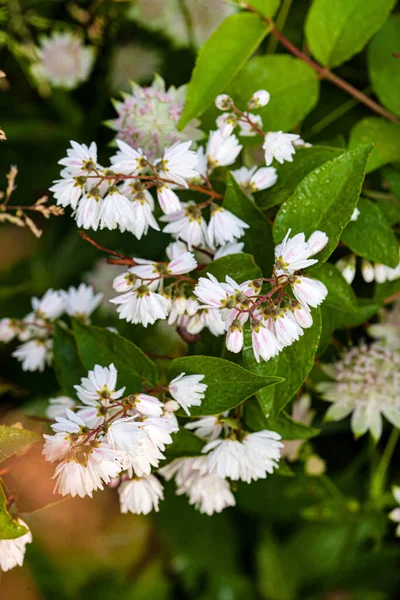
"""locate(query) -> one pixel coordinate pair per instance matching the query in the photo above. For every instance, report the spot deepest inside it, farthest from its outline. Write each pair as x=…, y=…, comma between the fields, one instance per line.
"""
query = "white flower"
x=309, y=291
x=188, y=225
x=259, y=99
x=87, y=215
x=366, y=384
x=63, y=60
x=248, y=127
x=143, y=218
x=100, y=466
x=234, y=337
x=355, y=215
x=81, y=301
x=58, y=405
x=50, y=306
x=142, y=306
x=140, y=495
x=302, y=314
x=148, y=405
x=177, y=163
x=127, y=160
x=34, y=355
x=223, y=102
x=81, y=159
x=125, y=434
x=100, y=385
x=187, y=390
x=208, y=428
x=211, y=292
x=175, y=249
x=263, y=449
x=116, y=211
x=184, y=263
x=367, y=270
x=229, y=248
x=224, y=227
x=12, y=552
x=388, y=329
x=293, y=254
x=285, y=328
x=347, y=267
x=264, y=342
x=279, y=146
x=226, y=123
x=8, y=330
x=67, y=191
x=227, y=458
x=254, y=179
x=168, y=200
x=394, y=515
x=222, y=151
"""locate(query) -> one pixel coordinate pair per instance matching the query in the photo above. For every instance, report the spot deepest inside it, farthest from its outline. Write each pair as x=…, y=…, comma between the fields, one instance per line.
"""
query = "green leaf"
x=337, y=30
x=325, y=199
x=383, y=66
x=67, y=363
x=99, y=346
x=340, y=294
x=220, y=59
x=385, y=137
x=13, y=439
x=9, y=528
x=293, y=85
x=282, y=424
x=239, y=266
x=228, y=384
x=184, y=443
x=371, y=235
x=275, y=580
x=258, y=238
x=291, y=173
x=293, y=364
x=367, y=307
x=267, y=8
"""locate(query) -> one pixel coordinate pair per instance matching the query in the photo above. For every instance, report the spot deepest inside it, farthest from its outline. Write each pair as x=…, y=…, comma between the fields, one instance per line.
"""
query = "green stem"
x=280, y=23
x=379, y=476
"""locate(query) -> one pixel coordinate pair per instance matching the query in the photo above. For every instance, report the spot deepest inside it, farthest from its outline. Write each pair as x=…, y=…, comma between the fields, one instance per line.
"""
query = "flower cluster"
x=369, y=271
x=12, y=552
x=36, y=328
x=115, y=438
x=366, y=385
x=276, y=318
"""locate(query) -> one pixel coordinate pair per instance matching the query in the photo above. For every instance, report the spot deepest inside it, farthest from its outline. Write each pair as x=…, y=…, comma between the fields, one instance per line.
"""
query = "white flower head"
x=140, y=495
x=222, y=151
x=223, y=102
x=279, y=146
x=127, y=160
x=99, y=386
x=34, y=354
x=294, y=253
x=178, y=163
x=50, y=306
x=224, y=227
x=308, y=291
x=142, y=306
x=58, y=405
x=188, y=225
x=347, y=267
x=12, y=552
x=81, y=301
x=259, y=99
x=8, y=330
x=229, y=248
x=187, y=390
x=254, y=179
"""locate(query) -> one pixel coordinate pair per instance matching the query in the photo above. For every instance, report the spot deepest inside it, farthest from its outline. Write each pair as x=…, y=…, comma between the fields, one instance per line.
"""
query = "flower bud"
x=259, y=99
x=226, y=123
x=347, y=267
x=315, y=466
x=223, y=102
x=317, y=241
x=367, y=270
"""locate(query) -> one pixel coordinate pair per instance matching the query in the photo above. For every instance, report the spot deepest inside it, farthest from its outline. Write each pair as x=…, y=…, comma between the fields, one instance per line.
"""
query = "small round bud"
x=223, y=102
x=259, y=99
x=315, y=466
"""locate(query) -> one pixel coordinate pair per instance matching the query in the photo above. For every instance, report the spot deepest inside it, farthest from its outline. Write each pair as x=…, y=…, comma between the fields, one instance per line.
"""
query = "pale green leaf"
x=383, y=66
x=384, y=135
x=14, y=439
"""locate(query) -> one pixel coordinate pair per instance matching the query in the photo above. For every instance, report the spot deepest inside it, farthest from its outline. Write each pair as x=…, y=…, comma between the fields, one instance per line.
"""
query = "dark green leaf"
x=275, y=581
x=99, y=346
x=371, y=235
x=67, y=363
x=184, y=443
x=238, y=266
x=384, y=135
x=291, y=173
x=228, y=384
x=293, y=364
x=220, y=59
x=258, y=238
x=337, y=30
x=282, y=424
x=367, y=307
x=13, y=439
x=9, y=528
x=384, y=66
x=293, y=85
x=340, y=294
x=325, y=199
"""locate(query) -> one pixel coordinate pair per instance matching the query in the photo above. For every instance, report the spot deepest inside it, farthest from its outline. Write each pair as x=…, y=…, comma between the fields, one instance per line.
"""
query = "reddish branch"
x=122, y=258
x=324, y=72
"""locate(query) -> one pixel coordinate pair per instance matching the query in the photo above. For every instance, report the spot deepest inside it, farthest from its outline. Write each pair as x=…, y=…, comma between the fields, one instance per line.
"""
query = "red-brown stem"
x=246, y=117
x=392, y=298
x=121, y=261
x=87, y=237
x=324, y=72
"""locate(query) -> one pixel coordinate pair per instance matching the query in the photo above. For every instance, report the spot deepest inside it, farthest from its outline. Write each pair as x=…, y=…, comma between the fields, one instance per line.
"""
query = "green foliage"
x=293, y=85
x=292, y=364
x=383, y=66
x=14, y=439
x=267, y=8
x=220, y=59
x=290, y=174
x=239, y=266
x=385, y=137
x=185, y=443
x=340, y=294
x=9, y=527
x=258, y=238
x=228, y=384
x=103, y=347
x=67, y=363
x=337, y=30
x=371, y=235
x=325, y=199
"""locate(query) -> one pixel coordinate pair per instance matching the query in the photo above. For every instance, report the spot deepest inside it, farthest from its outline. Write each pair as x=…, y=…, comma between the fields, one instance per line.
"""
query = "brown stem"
x=86, y=237
x=121, y=261
x=392, y=298
x=324, y=72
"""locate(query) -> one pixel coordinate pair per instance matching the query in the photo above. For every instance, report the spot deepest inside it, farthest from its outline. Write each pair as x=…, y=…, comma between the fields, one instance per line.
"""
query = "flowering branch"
x=324, y=72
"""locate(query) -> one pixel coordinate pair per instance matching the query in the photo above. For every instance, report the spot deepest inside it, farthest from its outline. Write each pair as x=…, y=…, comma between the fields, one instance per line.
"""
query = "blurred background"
x=85, y=549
